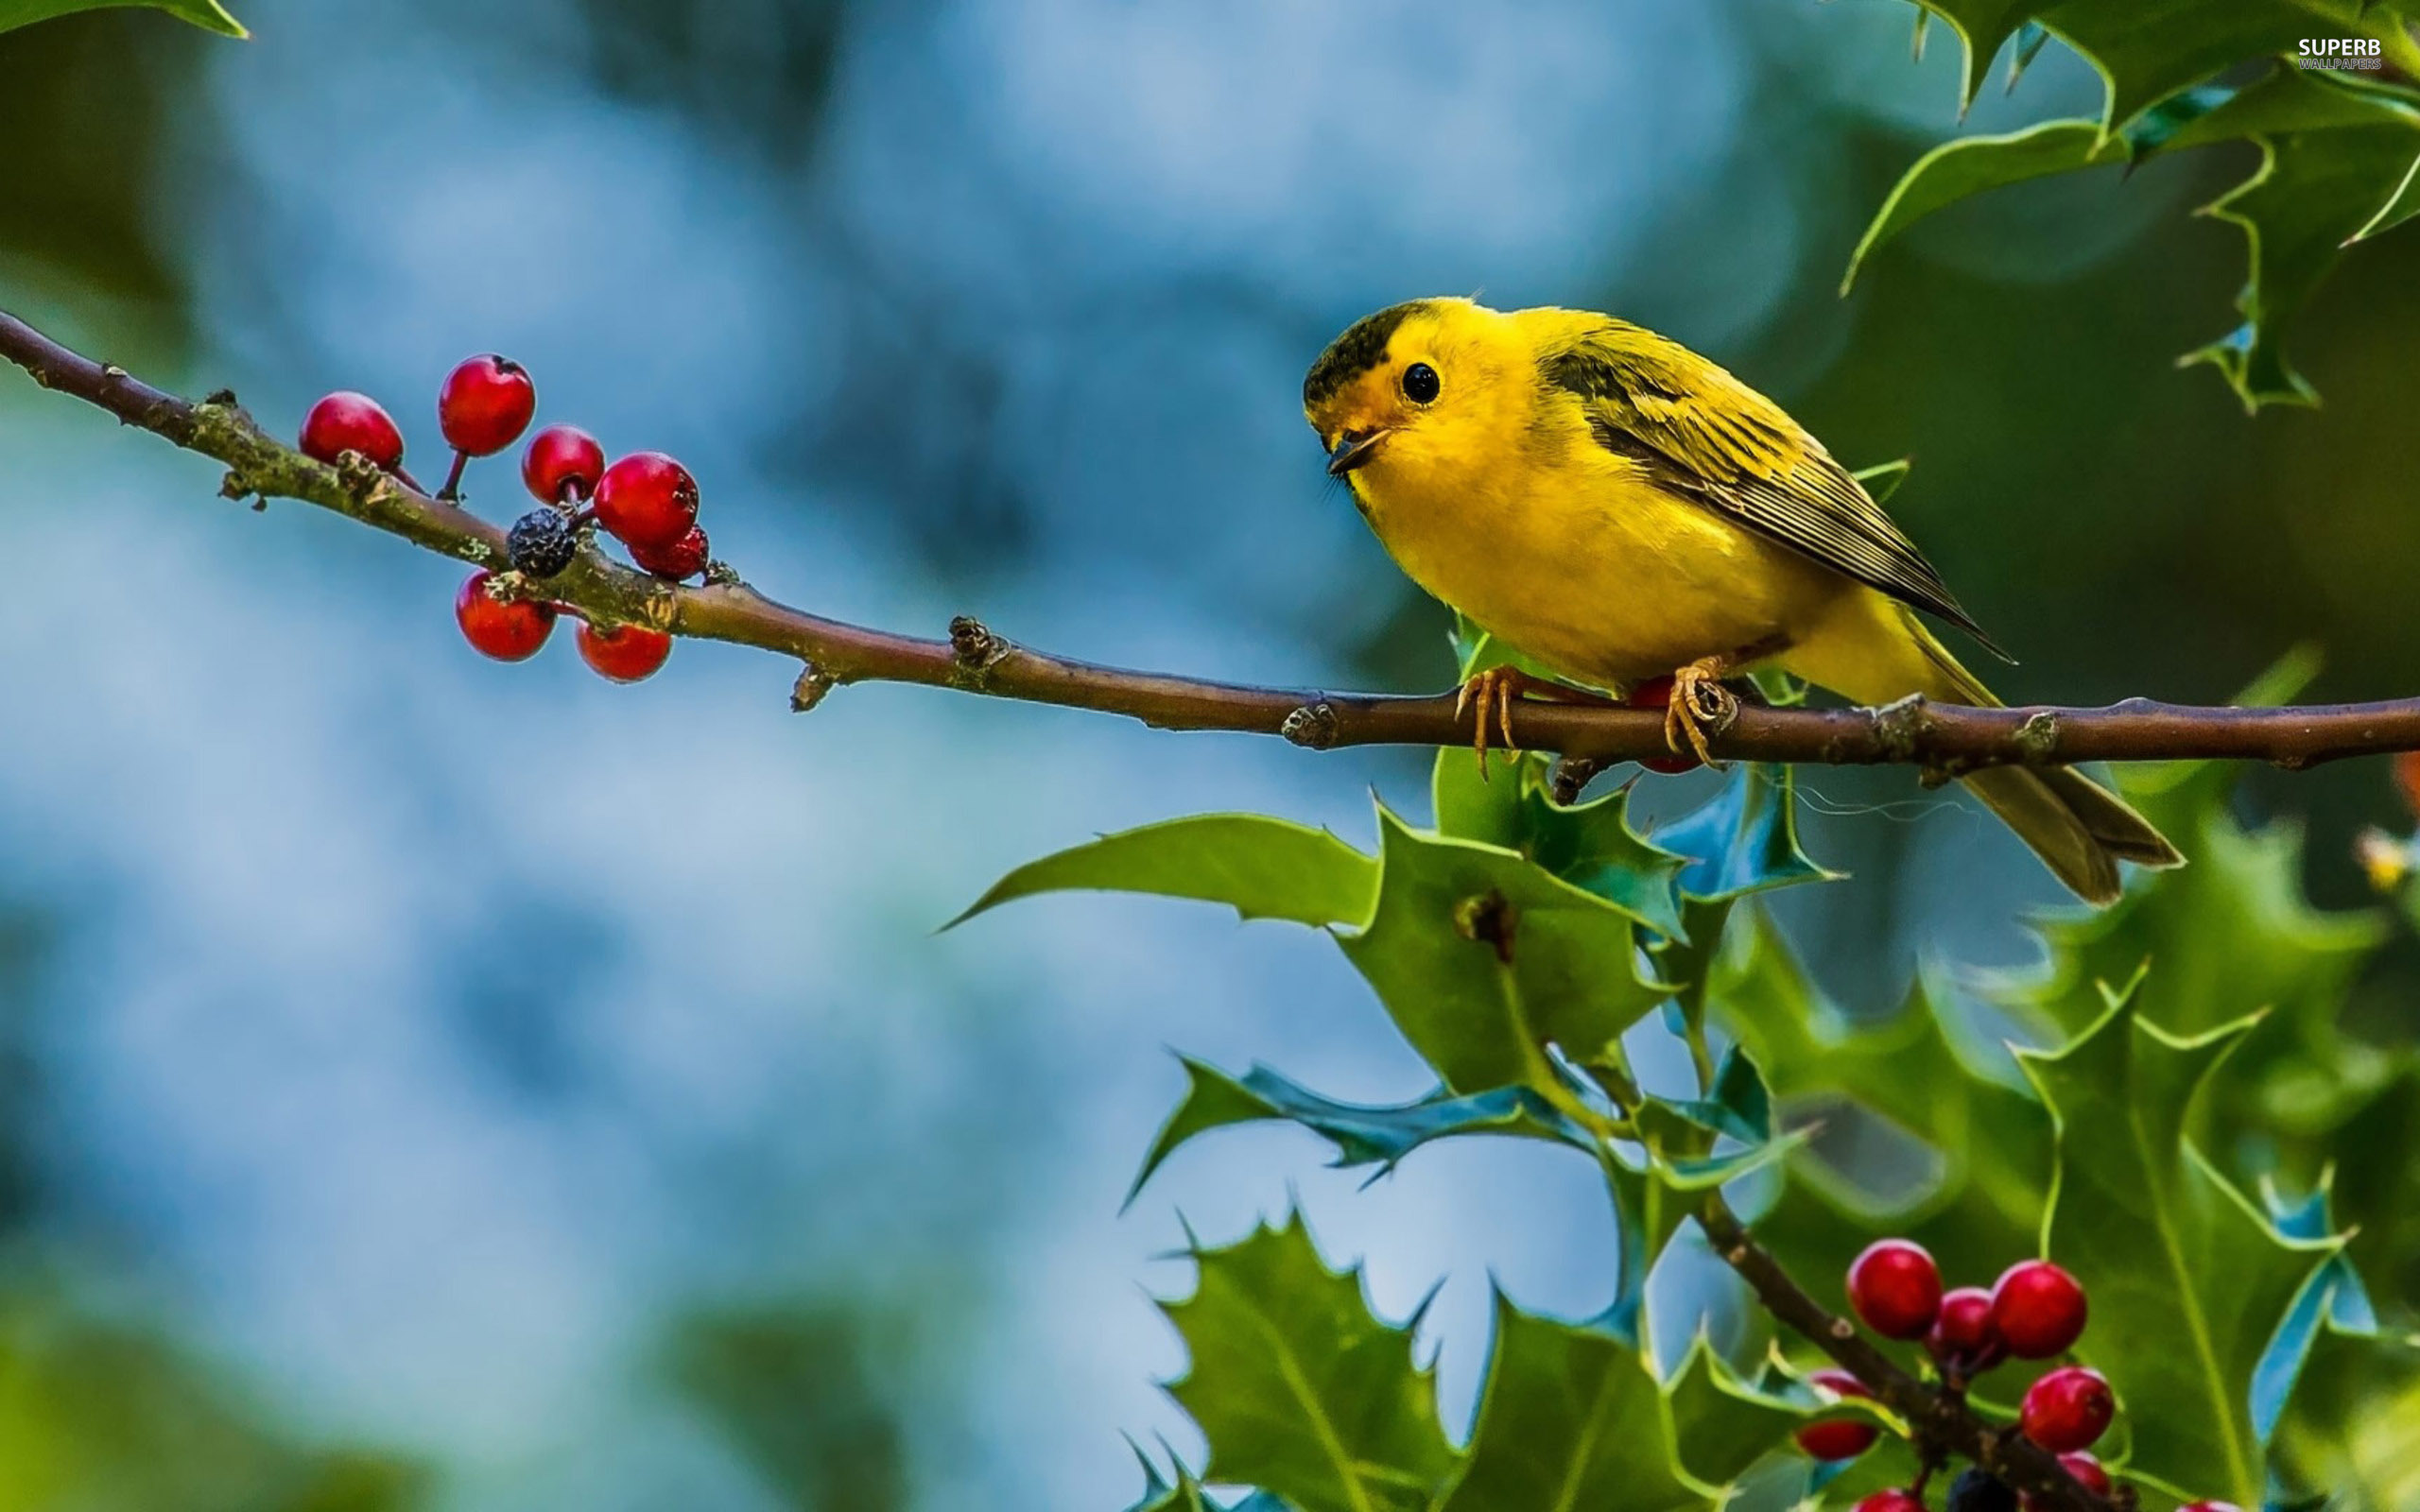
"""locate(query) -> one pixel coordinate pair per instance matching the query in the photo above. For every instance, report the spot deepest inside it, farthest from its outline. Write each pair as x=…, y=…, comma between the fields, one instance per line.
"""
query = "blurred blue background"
x=557, y=1090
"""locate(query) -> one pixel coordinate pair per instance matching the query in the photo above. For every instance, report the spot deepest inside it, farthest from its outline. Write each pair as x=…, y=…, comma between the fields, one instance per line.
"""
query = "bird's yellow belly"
x=1606, y=583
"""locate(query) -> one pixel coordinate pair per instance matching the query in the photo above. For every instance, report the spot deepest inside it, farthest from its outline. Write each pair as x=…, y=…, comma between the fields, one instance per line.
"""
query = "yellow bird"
x=1620, y=508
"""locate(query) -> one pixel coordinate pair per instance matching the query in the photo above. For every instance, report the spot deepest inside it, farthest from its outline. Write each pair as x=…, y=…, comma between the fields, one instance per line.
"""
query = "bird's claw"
x=1494, y=690
x=1699, y=707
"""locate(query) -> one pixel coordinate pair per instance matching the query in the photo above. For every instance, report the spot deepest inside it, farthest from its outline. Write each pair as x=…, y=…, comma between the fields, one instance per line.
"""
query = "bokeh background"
x=431, y=1082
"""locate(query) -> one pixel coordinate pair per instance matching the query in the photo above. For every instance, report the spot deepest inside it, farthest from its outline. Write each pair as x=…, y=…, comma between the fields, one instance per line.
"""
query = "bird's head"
x=1396, y=383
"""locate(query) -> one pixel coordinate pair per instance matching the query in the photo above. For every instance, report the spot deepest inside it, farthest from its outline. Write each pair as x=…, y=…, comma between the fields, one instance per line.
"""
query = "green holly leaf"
x=1260, y=867
x=1738, y=1106
x=207, y=14
x=1186, y=1495
x=1482, y=960
x=2339, y=158
x=2229, y=936
x=2144, y=50
x=2334, y=170
x=1298, y=1389
x=1572, y=1416
x=2190, y=1280
x=1985, y=1140
x=1362, y=1135
x=1744, y=839
x=1589, y=845
x=1722, y=1424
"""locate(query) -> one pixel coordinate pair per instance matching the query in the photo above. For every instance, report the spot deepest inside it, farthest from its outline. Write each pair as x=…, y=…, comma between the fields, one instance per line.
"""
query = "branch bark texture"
x=1943, y=738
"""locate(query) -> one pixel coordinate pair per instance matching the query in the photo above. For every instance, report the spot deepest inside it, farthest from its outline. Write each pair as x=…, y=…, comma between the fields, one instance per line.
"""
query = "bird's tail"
x=2079, y=828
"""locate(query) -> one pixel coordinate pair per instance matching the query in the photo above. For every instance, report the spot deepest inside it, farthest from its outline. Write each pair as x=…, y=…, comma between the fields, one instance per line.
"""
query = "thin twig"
x=1938, y=1419
x=1945, y=739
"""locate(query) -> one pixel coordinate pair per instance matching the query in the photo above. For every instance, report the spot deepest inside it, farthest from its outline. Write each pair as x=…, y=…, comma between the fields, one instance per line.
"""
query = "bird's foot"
x=1494, y=691
x=1699, y=707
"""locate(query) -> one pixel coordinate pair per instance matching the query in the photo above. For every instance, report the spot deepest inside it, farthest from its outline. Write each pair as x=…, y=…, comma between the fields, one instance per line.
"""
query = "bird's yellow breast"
x=1568, y=551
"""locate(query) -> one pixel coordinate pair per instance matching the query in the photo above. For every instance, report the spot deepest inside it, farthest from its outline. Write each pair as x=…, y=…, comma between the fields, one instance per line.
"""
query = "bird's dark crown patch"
x=1363, y=347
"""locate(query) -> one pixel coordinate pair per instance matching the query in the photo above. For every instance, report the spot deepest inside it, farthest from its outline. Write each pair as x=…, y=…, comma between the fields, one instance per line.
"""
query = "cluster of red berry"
x=647, y=500
x=2036, y=1311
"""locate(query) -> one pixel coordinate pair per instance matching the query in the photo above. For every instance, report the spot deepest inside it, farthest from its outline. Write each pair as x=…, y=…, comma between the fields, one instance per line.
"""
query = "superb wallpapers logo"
x=2365, y=54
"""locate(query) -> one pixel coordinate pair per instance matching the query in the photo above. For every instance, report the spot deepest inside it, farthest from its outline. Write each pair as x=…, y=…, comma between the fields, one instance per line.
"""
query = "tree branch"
x=1946, y=739
x=1937, y=1419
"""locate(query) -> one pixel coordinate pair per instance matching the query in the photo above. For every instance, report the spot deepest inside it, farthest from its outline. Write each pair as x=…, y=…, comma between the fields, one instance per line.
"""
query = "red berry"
x=2088, y=1472
x=486, y=405
x=346, y=421
x=1894, y=1500
x=1656, y=692
x=647, y=500
x=2209, y=1506
x=1838, y=1438
x=506, y=629
x=685, y=557
x=2068, y=1409
x=2406, y=777
x=2039, y=1310
x=1895, y=1287
x=1963, y=1332
x=626, y=653
x=560, y=457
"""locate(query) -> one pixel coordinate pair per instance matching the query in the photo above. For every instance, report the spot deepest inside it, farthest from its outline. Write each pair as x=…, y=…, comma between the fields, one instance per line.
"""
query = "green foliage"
x=1302, y=1393
x=796, y=1392
x=1261, y=867
x=1482, y=959
x=2190, y=1280
x=100, y=1415
x=1362, y=1135
x=1299, y=1391
x=208, y=14
x=2196, y=1059
x=2338, y=154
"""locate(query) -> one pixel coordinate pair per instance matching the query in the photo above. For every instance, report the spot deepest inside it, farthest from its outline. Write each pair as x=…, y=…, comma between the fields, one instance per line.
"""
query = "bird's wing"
x=1705, y=436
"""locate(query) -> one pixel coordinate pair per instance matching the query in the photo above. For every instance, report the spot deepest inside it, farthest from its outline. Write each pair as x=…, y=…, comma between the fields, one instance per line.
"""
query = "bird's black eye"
x=1420, y=383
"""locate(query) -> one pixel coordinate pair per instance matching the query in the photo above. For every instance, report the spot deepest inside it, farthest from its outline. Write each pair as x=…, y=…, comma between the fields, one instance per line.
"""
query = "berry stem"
x=1941, y=1424
x=453, y=488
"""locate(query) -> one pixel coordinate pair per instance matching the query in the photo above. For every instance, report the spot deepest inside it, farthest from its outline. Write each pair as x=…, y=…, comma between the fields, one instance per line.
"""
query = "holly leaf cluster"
x=2339, y=152
x=2166, y=1105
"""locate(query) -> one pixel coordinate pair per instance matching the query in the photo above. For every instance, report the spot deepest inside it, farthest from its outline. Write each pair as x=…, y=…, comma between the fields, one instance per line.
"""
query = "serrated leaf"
x=207, y=14
x=1483, y=959
x=1260, y=866
x=1589, y=845
x=1744, y=839
x=1738, y=1106
x=2144, y=50
x=2190, y=1280
x=2318, y=188
x=1989, y=1139
x=1571, y=1418
x=1362, y=1135
x=1721, y=1425
x=2339, y=155
x=1298, y=1389
x=1969, y=165
x=2229, y=936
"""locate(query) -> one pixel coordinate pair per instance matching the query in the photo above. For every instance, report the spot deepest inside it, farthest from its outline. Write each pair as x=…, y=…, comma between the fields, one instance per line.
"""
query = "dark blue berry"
x=1977, y=1491
x=542, y=543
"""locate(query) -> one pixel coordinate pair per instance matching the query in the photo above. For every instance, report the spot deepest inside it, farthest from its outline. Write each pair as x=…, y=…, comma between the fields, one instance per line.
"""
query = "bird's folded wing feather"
x=1706, y=436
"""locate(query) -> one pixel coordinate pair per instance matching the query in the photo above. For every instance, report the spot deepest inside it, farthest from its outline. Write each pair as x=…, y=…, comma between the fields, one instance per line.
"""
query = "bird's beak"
x=1353, y=448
